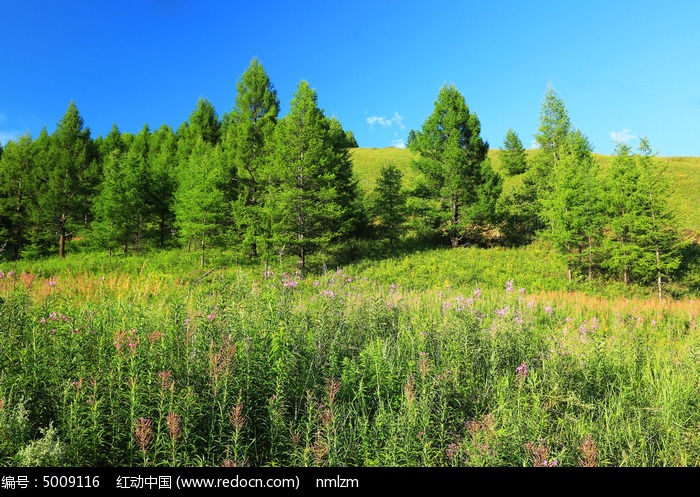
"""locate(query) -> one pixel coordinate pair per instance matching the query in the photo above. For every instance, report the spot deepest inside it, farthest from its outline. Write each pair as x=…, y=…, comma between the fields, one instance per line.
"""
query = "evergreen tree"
x=572, y=207
x=163, y=165
x=523, y=209
x=453, y=161
x=114, y=217
x=69, y=178
x=622, y=208
x=656, y=232
x=199, y=198
x=247, y=143
x=204, y=123
x=113, y=141
x=389, y=203
x=311, y=184
x=513, y=155
x=16, y=192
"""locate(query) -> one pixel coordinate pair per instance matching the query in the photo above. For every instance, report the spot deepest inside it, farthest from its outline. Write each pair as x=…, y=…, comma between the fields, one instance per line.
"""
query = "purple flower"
x=548, y=310
x=502, y=312
x=10, y=274
x=509, y=286
x=477, y=293
x=52, y=282
x=211, y=316
x=522, y=370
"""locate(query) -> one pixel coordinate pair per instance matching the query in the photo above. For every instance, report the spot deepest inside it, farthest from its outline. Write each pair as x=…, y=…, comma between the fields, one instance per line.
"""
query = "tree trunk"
x=62, y=242
x=454, y=238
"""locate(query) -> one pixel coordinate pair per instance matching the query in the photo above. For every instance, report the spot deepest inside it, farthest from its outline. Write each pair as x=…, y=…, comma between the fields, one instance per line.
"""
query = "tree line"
x=263, y=185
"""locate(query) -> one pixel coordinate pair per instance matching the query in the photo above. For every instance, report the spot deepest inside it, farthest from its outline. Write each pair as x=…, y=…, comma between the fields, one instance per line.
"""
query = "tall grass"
x=438, y=360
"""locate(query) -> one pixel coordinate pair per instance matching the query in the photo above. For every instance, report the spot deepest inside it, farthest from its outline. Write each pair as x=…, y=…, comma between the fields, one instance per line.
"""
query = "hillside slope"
x=684, y=174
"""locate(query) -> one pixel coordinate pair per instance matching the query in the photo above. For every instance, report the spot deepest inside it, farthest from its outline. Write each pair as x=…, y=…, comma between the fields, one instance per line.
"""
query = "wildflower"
x=2, y=275
x=268, y=274
x=653, y=322
x=595, y=324
x=451, y=450
x=236, y=416
x=521, y=291
x=328, y=293
x=589, y=453
x=423, y=365
x=143, y=433
x=211, y=316
x=548, y=310
x=52, y=283
x=509, y=286
x=477, y=293
x=173, y=422
x=521, y=373
x=166, y=380
x=539, y=454
x=10, y=274
x=518, y=320
x=316, y=283
x=502, y=312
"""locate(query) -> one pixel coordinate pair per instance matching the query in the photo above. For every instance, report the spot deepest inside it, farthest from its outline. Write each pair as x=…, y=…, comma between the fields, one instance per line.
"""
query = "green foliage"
x=17, y=201
x=199, y=198
x=248, y=143
x=389, y=203
x=313, y=195
x=452, y=160
x=572, y=206
x=68, y=172
x=513, y=156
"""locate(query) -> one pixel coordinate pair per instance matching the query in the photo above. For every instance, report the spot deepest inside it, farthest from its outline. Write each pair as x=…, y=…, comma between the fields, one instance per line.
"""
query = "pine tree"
x=247, y=144
x=163, y=161
x=513, y=155
x=453, y=161
x=199, y=198
x=312, y=183
x=656, y=232
x=389, y=203
x=17, y=190
x=69, y=178
x=113, y=223
x=622, y=207
x=572, y=206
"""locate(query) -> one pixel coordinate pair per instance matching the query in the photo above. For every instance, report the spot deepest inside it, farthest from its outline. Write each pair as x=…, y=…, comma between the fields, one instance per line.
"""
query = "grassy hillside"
x=684, y=173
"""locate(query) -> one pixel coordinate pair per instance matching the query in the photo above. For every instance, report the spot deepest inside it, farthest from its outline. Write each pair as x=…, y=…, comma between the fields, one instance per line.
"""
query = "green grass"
x=429, y=360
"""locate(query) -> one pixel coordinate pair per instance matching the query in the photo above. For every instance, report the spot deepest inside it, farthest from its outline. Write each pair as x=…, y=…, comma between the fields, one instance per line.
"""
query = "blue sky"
x=624, y=69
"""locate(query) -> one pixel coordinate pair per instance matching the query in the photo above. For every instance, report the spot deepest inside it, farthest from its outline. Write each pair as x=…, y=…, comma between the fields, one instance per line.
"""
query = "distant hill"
x=684, y=173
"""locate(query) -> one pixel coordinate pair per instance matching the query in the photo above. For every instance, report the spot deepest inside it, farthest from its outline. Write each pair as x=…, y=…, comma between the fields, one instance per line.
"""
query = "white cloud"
x=384, y=122
x=534, y=144
x=398, y=143
x=621, y=136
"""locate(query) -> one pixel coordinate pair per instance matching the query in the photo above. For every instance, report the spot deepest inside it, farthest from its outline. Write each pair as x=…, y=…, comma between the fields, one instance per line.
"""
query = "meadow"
x=468, y=357
x=440, y=357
